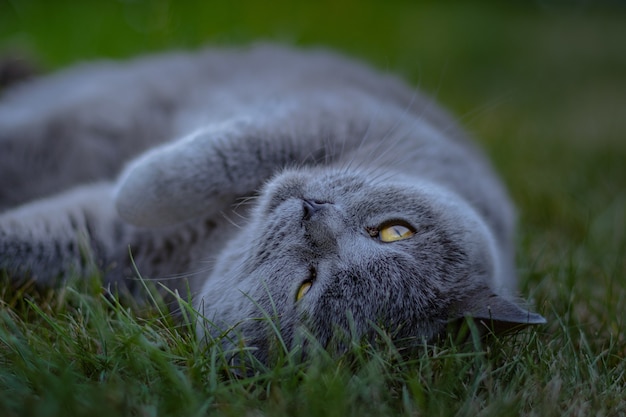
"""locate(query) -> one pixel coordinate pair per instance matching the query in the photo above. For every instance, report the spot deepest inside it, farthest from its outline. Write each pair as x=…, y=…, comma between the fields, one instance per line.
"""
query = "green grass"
x=541, y=87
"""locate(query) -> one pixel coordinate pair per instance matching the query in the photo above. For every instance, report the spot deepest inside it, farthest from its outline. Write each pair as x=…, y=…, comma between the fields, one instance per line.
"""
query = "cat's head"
x=343, y=251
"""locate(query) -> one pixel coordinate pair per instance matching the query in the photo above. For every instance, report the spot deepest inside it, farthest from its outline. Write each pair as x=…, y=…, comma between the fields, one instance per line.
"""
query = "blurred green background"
x=541, y=84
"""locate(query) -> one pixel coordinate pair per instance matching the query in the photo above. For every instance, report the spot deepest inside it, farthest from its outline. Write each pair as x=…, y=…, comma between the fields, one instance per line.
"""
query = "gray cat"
x=293, y=185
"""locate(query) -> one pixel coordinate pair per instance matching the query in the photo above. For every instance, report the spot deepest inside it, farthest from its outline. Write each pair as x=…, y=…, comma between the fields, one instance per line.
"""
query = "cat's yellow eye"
x=304, y=288
x=394, y=232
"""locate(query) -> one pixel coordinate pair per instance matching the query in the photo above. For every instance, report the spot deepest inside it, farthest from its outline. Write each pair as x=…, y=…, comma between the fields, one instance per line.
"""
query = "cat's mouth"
x=306, y=285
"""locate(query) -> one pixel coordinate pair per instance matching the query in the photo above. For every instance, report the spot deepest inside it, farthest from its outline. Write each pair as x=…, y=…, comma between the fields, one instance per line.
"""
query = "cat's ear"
x=494, y=313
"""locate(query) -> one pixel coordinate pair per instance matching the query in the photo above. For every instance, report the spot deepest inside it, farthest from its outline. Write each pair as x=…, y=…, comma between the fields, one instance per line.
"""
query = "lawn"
x=542, y=86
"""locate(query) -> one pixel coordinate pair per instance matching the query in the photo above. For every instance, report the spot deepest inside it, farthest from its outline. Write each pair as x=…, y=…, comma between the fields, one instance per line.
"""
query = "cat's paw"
x=196, y=176
x=52, y=238
x=30, y=249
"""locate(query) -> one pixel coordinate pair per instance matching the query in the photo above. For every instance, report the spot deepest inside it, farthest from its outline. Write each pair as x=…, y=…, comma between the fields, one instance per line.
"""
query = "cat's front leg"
x=206, y=171
x=73, y=233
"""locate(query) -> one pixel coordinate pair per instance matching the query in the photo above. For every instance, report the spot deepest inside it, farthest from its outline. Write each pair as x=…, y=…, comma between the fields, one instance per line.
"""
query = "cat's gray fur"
x=246, y=172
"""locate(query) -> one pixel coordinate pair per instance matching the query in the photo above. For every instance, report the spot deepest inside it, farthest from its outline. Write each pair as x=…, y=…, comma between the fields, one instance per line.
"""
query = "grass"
x=78, y=352
x=541, y=87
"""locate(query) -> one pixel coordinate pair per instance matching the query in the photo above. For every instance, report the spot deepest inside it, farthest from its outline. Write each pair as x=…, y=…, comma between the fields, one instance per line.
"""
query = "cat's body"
x=267, y=179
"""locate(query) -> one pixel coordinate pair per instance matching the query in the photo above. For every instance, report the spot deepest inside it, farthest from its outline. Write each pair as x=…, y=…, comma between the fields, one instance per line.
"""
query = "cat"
x=265, y=181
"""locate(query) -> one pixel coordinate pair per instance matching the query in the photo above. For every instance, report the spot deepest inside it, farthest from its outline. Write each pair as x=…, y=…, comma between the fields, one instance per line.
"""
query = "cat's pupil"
x=304, y=288
x=394, y=232
x=306, y=285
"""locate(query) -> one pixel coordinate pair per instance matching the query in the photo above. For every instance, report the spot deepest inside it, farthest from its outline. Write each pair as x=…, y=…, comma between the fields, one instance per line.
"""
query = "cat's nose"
x=311, y=207
x=322, y=224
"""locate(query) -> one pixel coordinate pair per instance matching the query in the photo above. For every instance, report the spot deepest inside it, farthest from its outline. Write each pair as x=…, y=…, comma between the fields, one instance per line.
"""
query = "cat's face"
x=335, y=249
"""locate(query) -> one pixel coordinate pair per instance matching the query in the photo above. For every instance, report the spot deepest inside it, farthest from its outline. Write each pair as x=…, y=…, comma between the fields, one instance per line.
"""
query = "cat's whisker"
x=466, y=118
x=176, y=276
x=248, y=201
x=383, y=143
x=364, y=138
x=241, y=216
x=431, y=100
x=229, y=220
x=311, y=157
